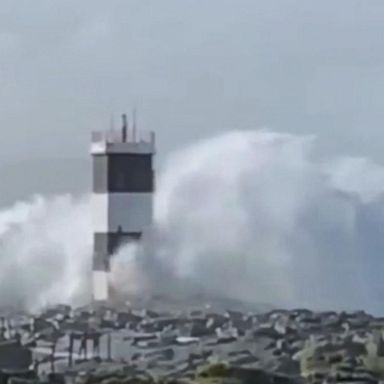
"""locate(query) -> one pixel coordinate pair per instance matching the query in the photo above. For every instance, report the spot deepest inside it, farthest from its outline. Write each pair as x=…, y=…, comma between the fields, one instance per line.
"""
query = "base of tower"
x=100, y=286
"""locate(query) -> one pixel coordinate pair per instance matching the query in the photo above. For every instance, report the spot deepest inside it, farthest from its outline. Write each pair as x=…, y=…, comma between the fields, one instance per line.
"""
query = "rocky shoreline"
x=129, y=344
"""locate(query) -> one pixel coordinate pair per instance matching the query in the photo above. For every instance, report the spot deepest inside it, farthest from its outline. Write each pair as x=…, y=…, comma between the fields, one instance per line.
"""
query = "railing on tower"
x=117, y=136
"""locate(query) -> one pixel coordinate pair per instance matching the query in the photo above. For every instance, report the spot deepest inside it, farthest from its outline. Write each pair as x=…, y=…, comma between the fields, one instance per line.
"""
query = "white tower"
x=123, y=186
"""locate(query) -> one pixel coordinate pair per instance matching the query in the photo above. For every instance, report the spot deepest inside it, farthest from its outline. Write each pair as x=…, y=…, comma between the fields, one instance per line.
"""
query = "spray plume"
x=253, y=215
x=45, y=252
x=247, y=215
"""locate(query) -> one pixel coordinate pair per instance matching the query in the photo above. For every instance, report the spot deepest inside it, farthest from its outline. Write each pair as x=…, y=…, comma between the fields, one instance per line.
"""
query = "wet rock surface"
x=109, y=345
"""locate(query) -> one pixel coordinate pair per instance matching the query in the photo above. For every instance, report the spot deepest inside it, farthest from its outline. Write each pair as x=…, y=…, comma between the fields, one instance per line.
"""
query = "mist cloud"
x=45, y=248
x=252, y=215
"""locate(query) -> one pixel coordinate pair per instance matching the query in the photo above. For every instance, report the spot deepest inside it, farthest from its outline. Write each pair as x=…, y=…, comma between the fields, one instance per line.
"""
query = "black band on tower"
x=119, y=173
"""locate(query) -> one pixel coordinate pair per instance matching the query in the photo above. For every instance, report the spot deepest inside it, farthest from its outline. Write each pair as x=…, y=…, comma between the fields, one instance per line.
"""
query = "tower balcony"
x=118, y=141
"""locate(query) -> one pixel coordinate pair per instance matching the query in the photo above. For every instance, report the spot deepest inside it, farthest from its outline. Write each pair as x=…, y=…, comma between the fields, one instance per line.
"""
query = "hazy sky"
x=192, y=68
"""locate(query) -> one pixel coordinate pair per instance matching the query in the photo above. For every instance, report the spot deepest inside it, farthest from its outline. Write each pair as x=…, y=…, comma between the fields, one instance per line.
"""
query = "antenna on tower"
x=134, y=125
x=124, y=128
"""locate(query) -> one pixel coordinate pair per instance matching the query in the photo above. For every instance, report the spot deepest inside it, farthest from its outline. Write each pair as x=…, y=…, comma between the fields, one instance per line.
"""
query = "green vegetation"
x=213, y=371
x=375, y=364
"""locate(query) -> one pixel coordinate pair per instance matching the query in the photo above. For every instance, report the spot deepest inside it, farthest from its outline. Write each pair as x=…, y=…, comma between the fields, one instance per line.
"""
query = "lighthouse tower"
x=123, y=186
